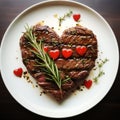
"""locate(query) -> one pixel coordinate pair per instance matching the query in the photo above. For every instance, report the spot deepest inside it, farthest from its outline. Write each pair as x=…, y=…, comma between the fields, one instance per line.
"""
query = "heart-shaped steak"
x=74, y=53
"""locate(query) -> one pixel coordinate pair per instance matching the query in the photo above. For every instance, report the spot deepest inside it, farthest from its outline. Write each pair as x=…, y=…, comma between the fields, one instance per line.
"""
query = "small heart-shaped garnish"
x=45, y=48
x=88, y=83
x=76, y=17
x=18, y=72
x=67, y=52
x=54, y=54
x=81, y=50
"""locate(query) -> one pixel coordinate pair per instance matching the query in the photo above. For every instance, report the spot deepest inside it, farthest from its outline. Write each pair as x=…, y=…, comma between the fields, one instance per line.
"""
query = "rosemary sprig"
x=61, y=19
x=46, y=64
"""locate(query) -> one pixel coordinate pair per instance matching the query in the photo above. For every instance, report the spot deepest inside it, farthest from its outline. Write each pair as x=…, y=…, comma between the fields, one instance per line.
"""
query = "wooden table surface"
x=108, y=108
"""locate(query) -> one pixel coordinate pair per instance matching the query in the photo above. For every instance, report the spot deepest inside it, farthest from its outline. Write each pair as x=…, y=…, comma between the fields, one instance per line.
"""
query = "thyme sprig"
x=62, y=18
x=46, y=64
x=102, y=62
x=101, y=72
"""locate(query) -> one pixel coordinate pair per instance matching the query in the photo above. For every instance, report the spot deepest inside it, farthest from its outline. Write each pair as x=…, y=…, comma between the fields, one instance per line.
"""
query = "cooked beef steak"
x=77, y=66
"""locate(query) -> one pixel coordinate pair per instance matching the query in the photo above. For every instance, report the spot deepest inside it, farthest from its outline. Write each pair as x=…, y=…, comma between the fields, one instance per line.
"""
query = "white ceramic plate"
x=10, y=59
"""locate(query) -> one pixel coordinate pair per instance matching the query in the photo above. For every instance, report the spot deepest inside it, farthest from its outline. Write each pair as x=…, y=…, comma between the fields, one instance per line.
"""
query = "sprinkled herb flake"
x=27, y=78
x=56, y=15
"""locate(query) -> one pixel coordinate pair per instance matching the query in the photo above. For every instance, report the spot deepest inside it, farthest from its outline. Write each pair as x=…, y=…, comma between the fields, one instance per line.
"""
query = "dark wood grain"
x=108, y=108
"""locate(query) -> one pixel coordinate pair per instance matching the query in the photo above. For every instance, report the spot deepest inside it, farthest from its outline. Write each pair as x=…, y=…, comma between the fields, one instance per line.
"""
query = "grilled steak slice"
x=77, y=67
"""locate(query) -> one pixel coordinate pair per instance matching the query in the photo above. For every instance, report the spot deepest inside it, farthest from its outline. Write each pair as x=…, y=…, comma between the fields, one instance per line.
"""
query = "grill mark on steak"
x=74, y=74
x=67, y=65
x=65, y=39
x=76, y=64
x=76, y=67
